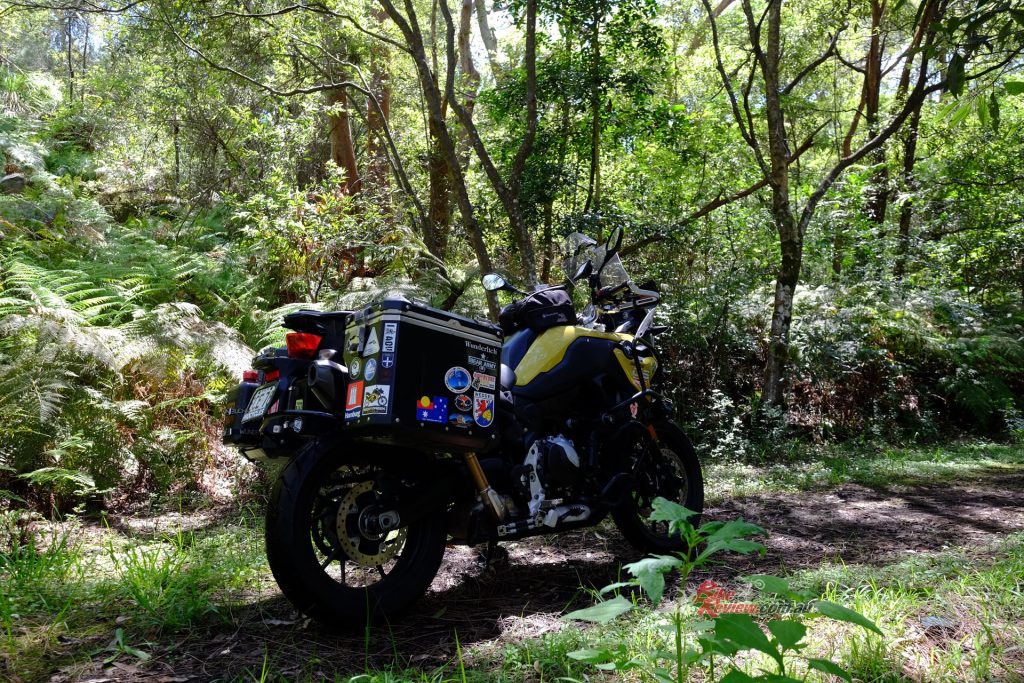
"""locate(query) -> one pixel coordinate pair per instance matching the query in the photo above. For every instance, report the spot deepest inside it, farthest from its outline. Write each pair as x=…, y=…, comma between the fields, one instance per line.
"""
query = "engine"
x=545, y=481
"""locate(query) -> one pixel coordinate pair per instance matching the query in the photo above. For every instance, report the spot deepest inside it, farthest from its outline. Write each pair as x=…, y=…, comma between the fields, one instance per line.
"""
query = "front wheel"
x=327, y=561
x=668, y=468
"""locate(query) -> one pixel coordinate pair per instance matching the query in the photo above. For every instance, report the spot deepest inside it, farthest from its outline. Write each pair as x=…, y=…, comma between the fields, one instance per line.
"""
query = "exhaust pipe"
x=325, y=380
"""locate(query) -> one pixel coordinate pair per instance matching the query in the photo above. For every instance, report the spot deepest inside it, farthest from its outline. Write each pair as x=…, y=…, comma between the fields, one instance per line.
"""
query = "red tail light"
x=302, y=344
x=271, y=376
x=250, y=376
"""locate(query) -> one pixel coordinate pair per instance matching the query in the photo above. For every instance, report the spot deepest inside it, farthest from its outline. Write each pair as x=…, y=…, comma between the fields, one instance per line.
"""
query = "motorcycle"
x=405, y=428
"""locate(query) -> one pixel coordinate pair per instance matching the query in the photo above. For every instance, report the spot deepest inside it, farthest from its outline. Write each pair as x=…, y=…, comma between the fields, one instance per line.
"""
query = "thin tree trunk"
x=593, y=202
x=878, y=191
x=377, y=166
x=490, y=40
x=414, y=39
x=343, y=151
x=908, y=186
x=68, y=26
x=790, y=239
x=470, y=77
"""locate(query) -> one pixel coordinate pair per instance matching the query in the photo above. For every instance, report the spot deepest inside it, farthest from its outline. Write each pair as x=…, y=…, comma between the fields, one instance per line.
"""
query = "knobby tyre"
x=326, y=566
x=669, y=469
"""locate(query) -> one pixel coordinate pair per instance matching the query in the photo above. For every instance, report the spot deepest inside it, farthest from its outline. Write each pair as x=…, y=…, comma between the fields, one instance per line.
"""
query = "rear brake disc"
x=362, y=549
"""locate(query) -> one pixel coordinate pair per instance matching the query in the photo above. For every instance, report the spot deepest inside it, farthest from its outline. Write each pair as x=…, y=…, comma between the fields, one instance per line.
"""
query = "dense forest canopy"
x=828, y=192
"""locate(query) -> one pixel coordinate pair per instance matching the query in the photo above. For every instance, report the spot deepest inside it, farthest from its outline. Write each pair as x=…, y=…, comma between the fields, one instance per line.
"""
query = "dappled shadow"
x=877, y=526
x=479, y=610
x=477, y=606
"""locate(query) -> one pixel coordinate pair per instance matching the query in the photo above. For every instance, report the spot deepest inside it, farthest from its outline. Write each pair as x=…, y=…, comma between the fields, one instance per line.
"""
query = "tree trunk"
x=414, y=39
x=790, y=239
x=490, y=40
x=377, y=167
x=343, y=150
x=440, y=197
x=470, y=77
x=878, y=191
x=69, y=43
x=908, y=186
x=593, y=202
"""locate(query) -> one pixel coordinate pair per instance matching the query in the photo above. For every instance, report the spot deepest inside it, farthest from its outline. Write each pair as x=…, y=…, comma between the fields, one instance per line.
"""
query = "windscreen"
x=579, y=249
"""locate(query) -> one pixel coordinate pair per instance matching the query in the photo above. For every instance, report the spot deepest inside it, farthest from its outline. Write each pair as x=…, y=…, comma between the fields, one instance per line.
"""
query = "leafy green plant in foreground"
x=697, y=640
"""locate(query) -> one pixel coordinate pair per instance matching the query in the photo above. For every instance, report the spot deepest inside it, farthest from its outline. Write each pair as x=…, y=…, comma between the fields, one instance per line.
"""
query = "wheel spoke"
x=380, y=570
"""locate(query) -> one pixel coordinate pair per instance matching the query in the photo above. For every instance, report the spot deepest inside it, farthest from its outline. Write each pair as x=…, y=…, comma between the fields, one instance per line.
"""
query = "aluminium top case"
x=421, y=377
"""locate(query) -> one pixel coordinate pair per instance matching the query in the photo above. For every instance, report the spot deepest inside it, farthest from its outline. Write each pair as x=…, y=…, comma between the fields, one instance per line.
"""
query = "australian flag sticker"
x=432, y=409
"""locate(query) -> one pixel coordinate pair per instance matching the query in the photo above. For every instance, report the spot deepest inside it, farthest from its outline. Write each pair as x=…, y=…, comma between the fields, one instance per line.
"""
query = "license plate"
x=260, y=401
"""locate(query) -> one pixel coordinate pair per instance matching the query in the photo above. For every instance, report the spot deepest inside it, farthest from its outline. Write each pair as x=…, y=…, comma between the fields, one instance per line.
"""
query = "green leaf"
x=829, y=668
x=742, y=631
x=615, y=586
x=955, y=74
x=602, y=612
x=1015, y=87
x=981, y=107
x=767, y=583
x=840, y=613
x=735, y=528
x=773, y=584
x=650, y=574
x=678, y=517
x=736, y=545
x=788, y=633
x=591, y=656
x=736, y=676
x=961, y=113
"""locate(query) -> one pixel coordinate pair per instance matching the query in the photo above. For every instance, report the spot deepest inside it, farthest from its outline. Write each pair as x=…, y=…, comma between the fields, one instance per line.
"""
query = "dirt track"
x=851, y=523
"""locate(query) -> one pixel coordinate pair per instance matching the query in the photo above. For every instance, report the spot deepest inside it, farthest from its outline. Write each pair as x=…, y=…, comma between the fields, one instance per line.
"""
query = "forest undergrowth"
x=180, y=596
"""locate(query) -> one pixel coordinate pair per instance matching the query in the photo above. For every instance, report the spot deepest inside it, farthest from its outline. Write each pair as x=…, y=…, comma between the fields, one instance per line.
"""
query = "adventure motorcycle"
x=405, y=428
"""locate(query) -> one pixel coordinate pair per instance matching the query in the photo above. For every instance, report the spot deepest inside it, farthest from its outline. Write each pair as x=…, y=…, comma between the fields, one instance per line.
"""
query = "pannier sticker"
x=376, y=399
x=371, y=370
x=457, y=380
x=353, y=414
x=354, y=396
x=464, y=403
x=387, y=360
x=460, y=420
x=483, y=408
x=482, y=363
x=372, y=344
x=390, y=334
x=483, y=381
x=354, y=368
x=432, y=409
x=479, y=348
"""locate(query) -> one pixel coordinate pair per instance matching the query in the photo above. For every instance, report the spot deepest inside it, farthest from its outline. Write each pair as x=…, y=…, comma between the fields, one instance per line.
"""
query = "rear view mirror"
x=583, y=272
x=614, y=241
x=493, y=282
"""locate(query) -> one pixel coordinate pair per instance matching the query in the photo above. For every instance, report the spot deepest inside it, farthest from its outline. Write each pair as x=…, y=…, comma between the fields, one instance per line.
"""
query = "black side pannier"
x=539, y=311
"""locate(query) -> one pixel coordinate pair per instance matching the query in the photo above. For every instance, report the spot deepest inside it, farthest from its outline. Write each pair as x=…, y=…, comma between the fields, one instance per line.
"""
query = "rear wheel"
x=669, y=469
x=326, y=553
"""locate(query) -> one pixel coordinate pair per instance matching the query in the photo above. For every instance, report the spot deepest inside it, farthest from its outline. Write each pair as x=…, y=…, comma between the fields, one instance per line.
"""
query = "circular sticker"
x=458, y=380
x=463, y=403
x=354, y=367
x=371, y=370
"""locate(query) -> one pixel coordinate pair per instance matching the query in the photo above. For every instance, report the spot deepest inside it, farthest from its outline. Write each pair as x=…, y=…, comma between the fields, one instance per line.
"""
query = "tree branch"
x=806, y=71
x=748, y=136
x=721, y=201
